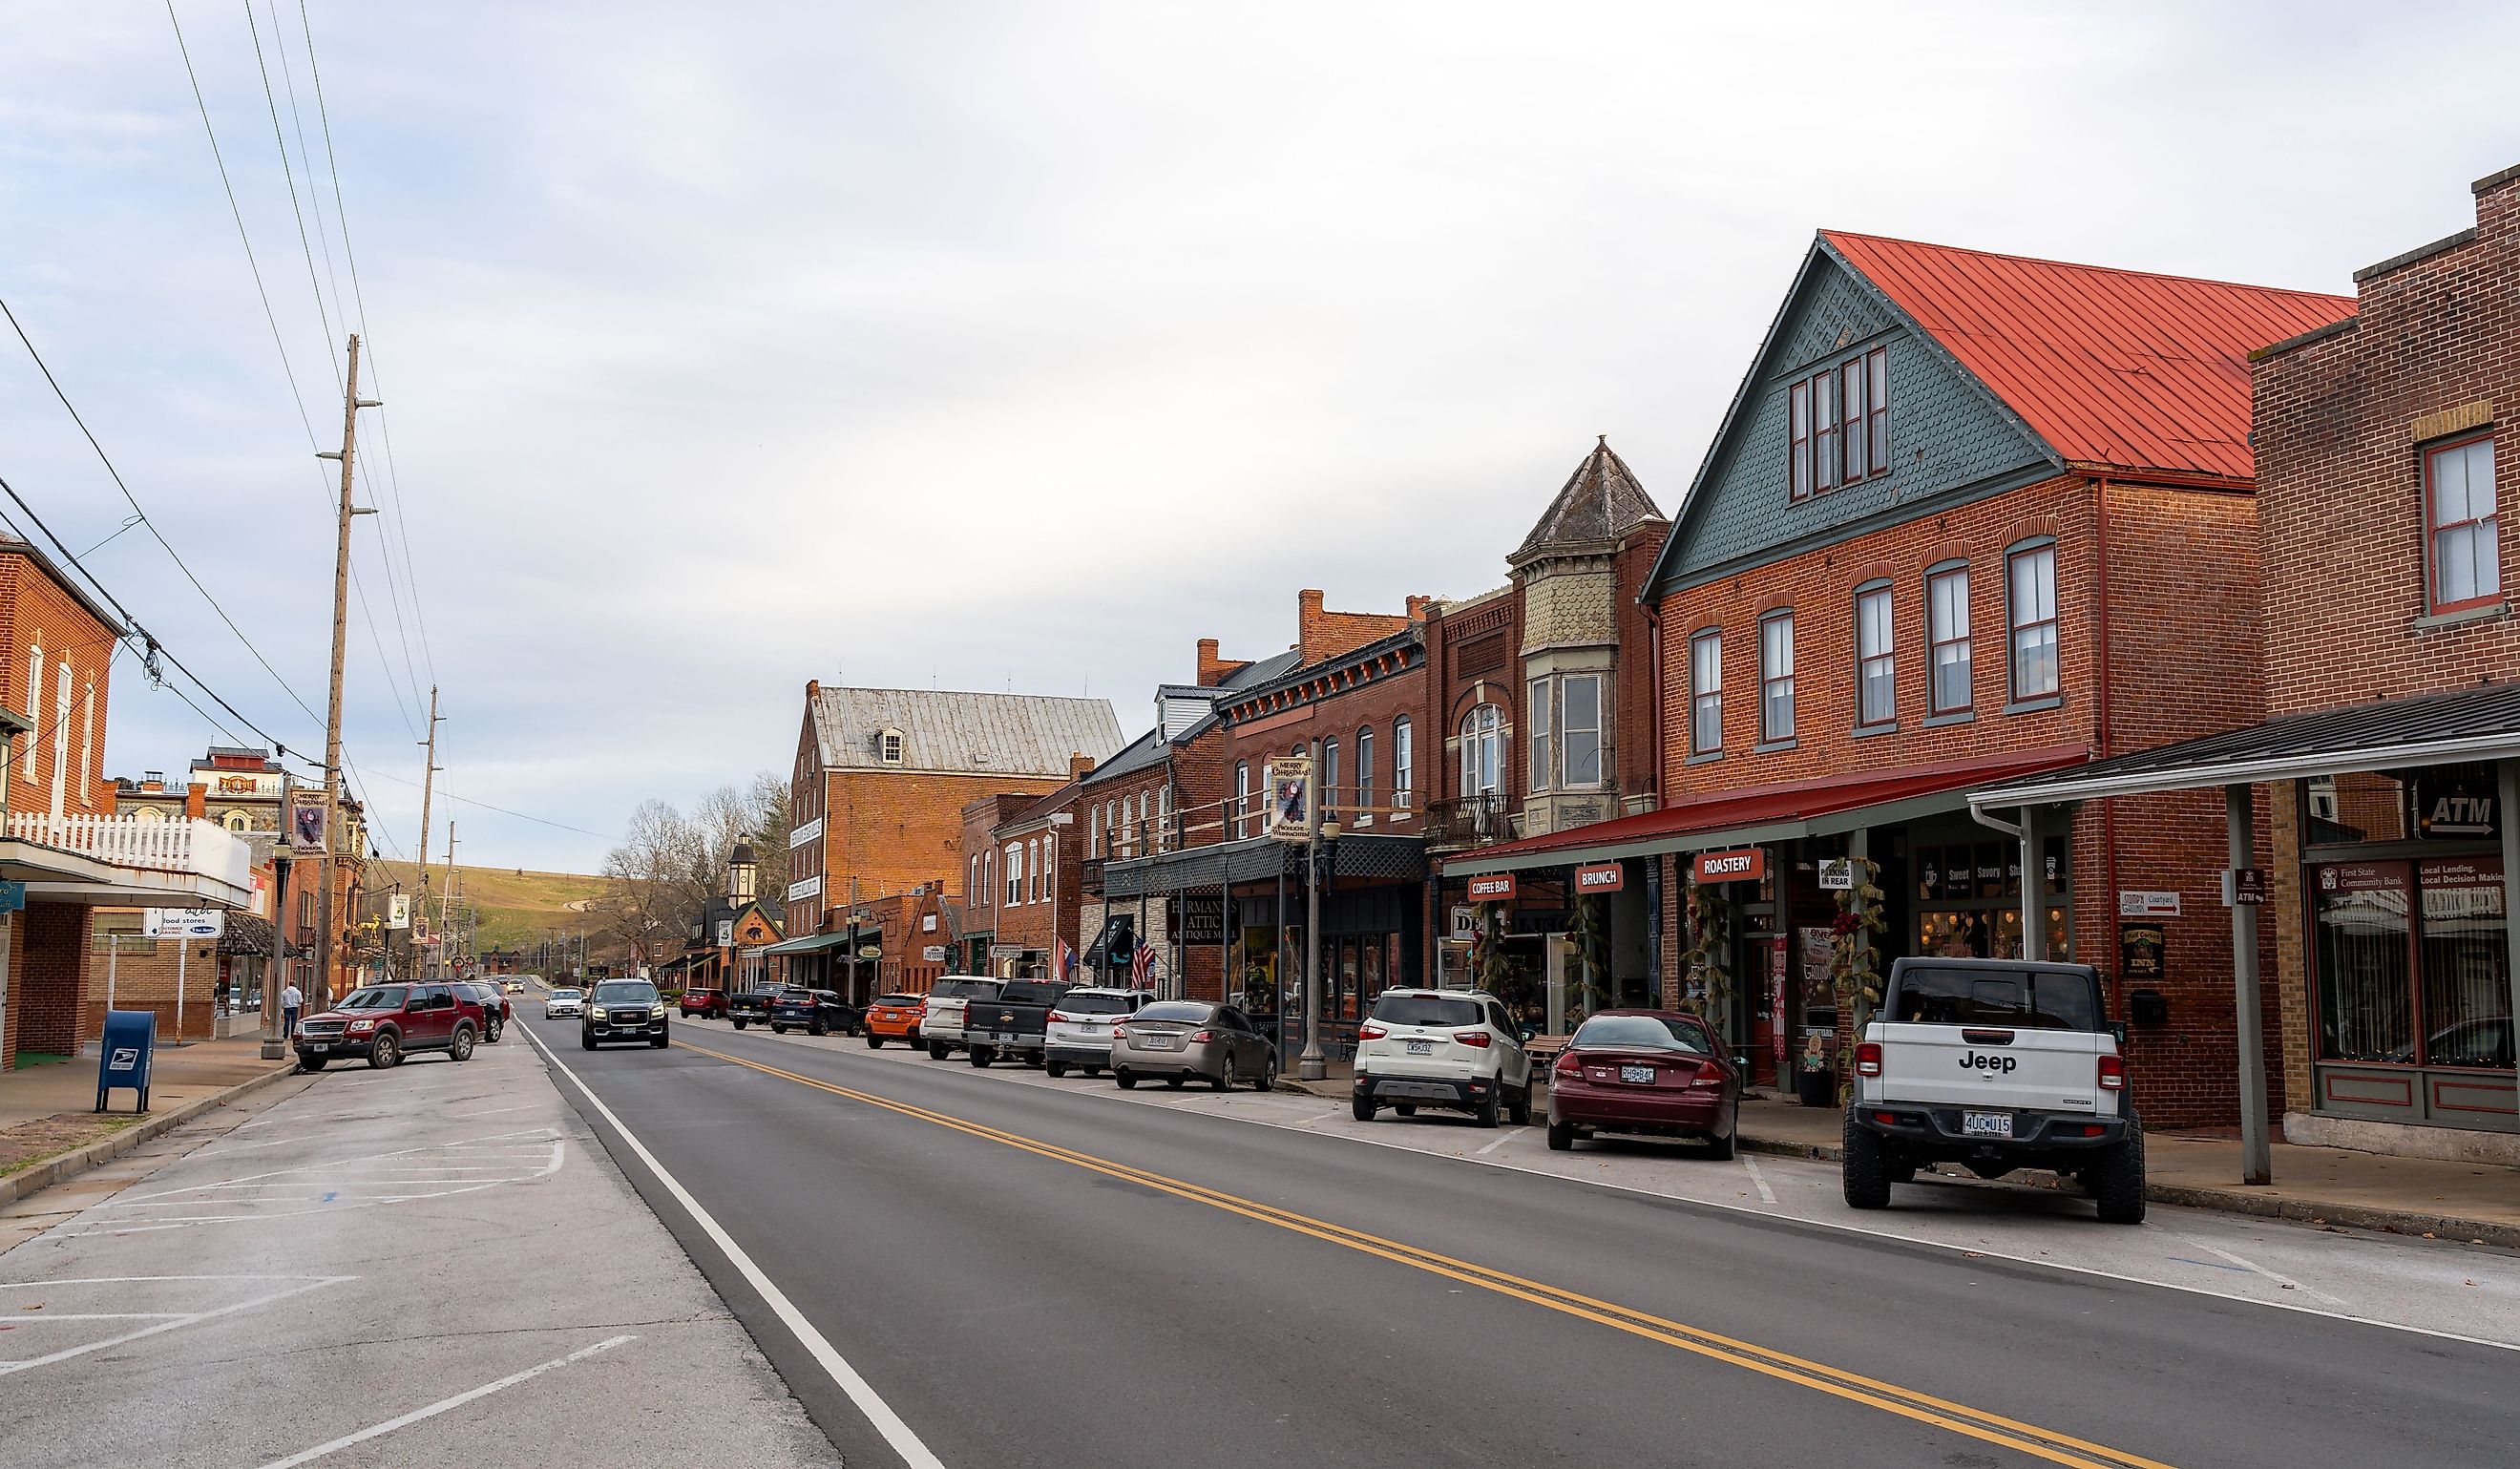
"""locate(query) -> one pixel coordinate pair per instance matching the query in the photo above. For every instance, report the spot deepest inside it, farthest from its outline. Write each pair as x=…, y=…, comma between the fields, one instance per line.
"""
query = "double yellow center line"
x=1889, y=1398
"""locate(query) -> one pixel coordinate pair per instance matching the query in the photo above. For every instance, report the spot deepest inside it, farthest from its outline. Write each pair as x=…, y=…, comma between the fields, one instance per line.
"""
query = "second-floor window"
x=1032, y=872
x=1482, y=750
x=1242, y=798
x=1947, y=628
x=2463, y=550
x=2031, y=579
x=1706, y=693
x=1365, y=771
x=1876, y=683
x=1578, y=729
x=1403, y=770
x=1014, y=874
x=1329, y=776
x=1535, y=734
x=1776, y=676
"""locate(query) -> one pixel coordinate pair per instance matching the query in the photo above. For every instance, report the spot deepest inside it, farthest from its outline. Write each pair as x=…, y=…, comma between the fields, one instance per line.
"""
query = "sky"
x=1009, y=346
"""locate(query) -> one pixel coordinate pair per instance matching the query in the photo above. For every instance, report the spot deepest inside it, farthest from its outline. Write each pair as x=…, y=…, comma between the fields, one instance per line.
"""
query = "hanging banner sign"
x=306, y=822
x=1464, y=926
x=1290, y=780
x=398, y=910
x=12, y=897
x=1743, y=865
x=1495, y=887
x=1601, y=877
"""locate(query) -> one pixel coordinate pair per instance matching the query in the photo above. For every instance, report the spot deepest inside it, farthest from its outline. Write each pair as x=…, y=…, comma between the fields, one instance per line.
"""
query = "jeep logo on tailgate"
x=1978, y=1060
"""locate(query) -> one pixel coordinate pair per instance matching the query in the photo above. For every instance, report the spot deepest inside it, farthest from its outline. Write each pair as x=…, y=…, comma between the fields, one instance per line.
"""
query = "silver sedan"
x=1181, y=1038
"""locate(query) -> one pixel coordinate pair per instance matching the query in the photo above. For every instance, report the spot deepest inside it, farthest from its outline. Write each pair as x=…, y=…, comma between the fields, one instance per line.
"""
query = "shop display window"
x=2414, y=964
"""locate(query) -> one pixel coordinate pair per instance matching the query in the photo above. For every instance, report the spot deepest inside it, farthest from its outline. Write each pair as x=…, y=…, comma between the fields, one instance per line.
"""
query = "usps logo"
x=124, y=1058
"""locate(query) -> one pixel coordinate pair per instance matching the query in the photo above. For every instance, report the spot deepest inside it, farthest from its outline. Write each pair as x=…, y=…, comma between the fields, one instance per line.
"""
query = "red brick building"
x=1040, y=854
x=1969, y=517
x=2388, y=768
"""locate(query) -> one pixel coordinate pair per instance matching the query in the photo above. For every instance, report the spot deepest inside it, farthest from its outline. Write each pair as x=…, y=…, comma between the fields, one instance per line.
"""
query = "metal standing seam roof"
x=2464, y=724
x=1027, y=735
x=2110, y=366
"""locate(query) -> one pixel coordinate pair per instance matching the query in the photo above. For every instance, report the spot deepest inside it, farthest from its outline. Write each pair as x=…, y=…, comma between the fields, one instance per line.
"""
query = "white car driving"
x=563, y=1004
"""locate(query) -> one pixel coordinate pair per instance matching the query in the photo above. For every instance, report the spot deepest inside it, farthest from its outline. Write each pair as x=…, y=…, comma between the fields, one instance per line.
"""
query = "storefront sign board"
x=1465, y=926
x=2450, y=805
x=933, y=954
x=2141, y=950
x=1199, y=918
x=1837, y=875
x=2244, y=887
x=1742, y=864
x=2147, y=905
x=1601, y=877
x=1494, y=887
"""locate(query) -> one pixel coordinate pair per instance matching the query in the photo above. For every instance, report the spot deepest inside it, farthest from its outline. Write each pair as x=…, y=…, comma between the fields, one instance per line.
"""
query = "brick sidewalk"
x=2327, y=1185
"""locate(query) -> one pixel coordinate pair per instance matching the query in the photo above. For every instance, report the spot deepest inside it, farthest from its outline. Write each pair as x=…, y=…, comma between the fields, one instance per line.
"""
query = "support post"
x=2257, y=1161
x=2507, y=814
x=326, y=939
x=1312, y=1066
x=2034, y=897
x=275, y=969
x=183, y=949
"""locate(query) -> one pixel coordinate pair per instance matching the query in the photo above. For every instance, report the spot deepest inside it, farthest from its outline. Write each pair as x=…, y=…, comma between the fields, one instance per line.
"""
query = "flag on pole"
x=1062, y=960
x=1142, y=969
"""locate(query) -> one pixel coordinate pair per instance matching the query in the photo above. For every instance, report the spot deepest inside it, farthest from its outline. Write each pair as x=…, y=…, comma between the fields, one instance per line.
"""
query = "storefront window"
x=2365, y=1002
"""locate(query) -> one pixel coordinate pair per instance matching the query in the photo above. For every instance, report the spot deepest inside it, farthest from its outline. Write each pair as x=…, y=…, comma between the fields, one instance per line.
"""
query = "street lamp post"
x=1319, y=838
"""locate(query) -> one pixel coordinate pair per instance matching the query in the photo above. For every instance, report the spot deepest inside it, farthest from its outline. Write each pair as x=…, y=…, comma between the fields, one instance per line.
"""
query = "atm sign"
x=1743, y=865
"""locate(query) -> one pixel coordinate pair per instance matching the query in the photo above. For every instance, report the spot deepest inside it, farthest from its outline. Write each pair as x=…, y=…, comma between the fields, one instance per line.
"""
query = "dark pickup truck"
x=751, y=1007
x=1015, y=1025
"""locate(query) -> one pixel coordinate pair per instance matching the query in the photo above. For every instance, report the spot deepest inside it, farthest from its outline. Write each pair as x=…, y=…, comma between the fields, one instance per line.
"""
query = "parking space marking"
x=173, y=1321
x=1767, y=1195
x=398, y=1176
x=2255, y=1269
x=1501, y=1141
x=308, y=1456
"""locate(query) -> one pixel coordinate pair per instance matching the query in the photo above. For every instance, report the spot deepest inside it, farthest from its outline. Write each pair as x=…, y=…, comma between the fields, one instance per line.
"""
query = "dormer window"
x=887, y=747
x=1837, y=424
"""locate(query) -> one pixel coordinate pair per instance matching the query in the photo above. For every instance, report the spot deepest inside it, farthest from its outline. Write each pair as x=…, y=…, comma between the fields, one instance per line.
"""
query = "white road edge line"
x=1857, y=1230
x=904, y=1441
x=444, y=1403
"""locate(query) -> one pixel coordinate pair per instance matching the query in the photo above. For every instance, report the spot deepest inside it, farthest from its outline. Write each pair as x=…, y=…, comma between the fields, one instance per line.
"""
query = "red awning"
x=1772, y=813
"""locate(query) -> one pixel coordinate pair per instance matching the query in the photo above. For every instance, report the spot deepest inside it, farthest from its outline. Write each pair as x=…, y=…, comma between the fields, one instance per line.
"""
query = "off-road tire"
x=939, y=1050
x=1863, y=1172
x=2120, y=1193
x=1361, y=1108
x=460, y=1049
x=312, y=1063
x=387, y=1050
x=1561, y=1137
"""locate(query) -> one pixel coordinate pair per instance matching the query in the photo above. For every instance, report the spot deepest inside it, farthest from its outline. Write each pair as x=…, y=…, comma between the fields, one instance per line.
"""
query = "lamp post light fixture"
x=1320, y=852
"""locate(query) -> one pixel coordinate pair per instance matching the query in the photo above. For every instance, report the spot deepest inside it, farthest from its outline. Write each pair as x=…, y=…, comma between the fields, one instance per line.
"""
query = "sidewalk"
x=47, y=1110
x=2337, y=1188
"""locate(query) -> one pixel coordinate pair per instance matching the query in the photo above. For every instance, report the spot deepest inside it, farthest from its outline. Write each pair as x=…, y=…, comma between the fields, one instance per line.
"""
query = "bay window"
x=1536, y=734
x=1579, y=734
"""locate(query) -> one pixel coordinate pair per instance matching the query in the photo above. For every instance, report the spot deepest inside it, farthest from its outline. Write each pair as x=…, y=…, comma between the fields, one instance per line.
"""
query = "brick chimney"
x=1418, y=606
x=1214, y=669
x=1079, y=765
x=195, y=799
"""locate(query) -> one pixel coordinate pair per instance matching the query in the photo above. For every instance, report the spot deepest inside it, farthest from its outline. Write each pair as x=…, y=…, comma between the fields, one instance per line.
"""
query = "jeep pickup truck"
x=1996, y=1065
x=1015, y=1025
x=940, y=1025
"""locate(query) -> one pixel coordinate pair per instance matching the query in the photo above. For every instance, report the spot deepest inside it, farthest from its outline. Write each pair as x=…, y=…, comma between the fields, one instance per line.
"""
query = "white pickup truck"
x=1996, y=1065
x=940, y=1028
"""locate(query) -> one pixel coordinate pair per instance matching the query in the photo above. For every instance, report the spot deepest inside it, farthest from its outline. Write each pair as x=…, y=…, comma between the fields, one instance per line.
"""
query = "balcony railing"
x=1469, y=820
x=194, y=847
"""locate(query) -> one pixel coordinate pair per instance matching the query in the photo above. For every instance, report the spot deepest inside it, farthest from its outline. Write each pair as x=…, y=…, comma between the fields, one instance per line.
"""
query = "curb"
x=39, y=1177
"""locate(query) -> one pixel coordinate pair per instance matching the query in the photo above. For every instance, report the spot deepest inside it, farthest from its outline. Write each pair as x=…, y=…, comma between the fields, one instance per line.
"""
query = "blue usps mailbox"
x=129, y=1035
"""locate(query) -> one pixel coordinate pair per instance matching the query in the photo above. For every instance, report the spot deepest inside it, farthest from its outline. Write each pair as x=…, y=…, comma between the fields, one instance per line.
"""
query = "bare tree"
x=668, y=865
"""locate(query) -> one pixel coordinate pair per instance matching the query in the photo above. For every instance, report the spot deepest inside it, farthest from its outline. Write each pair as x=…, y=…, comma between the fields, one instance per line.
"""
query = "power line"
x=538, y=821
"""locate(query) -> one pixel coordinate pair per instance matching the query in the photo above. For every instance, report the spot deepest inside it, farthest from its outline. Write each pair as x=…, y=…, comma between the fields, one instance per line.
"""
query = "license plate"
x=1422, y=1047
x=319, y=1046
x=1645, y=1074
x=1986, y=1123
x=1160, y=1042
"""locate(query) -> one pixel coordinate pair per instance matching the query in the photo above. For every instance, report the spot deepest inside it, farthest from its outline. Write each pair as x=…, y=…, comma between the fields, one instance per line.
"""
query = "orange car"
x=894, y=1017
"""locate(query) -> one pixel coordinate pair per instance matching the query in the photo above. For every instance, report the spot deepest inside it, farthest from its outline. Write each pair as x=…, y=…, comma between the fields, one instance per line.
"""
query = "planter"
x=1817, y=1089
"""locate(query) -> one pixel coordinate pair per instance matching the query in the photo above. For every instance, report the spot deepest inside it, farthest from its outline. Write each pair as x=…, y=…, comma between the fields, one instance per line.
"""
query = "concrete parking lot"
x=433, y=1265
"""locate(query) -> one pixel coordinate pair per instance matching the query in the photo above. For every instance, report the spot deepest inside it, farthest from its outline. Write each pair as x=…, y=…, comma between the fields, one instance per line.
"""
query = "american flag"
x=1142, y=969
x=1062, y=960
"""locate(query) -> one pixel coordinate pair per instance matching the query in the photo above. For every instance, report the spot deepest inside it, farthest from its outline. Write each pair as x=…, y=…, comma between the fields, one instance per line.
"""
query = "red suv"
x=708, y=1004
x=386, y=1022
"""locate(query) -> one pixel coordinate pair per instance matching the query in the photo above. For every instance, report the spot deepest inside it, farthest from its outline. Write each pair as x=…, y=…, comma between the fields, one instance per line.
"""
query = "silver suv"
x=1450, y=1049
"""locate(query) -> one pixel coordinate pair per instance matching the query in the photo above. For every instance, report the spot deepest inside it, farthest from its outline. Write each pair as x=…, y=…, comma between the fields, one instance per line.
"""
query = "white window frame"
x=2041, y=558
x=34, y=705
x=1573, y=737
x=1014, y=874
x=1482, y=742
x=1877, y=645
x=1365, y=772
x=890, y=747
x=1242, y=797
x=1942, y=638
x=1535, y=731
x=65, y=684
x=87, y=745
x=1403, y=792
x=1705, y=692
x=1776, y=675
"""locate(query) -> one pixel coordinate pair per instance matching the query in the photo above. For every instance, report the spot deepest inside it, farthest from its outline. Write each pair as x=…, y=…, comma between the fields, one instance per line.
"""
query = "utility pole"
x=427, y=782
x=275, y=1045
x=445, y=899
x=326, y=940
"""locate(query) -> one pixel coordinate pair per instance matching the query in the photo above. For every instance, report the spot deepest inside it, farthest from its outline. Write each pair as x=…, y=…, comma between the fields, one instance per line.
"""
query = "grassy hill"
x=518, y=907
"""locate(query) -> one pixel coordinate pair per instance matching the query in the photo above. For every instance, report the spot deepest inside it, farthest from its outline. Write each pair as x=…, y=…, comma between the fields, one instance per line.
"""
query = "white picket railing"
x=193, y=846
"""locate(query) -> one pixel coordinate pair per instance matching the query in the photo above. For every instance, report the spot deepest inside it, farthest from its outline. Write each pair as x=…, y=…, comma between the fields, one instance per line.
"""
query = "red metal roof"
x=1768, y=804
x=2110, y=366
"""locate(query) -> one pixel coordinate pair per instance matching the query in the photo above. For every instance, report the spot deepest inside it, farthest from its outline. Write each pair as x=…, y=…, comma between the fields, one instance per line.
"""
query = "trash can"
x=1817, y=1089
x=123, y=1059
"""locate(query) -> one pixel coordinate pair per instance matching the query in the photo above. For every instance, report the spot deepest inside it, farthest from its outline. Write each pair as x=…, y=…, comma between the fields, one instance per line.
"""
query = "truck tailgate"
x=2042, y=1070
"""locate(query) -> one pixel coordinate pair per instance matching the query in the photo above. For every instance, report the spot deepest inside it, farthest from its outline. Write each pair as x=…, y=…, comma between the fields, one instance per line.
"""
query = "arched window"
x=237, y=820
x=1032, y=872
x=1014, y=874
x=888, y=746
x=1482, y=750
x=1164, y=818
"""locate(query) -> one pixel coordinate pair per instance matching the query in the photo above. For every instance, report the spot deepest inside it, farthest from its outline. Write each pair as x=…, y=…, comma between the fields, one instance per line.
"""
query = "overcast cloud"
x=730, y=345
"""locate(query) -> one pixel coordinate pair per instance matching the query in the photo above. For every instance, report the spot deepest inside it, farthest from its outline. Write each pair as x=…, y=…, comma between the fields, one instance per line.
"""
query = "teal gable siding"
x=1949, y=438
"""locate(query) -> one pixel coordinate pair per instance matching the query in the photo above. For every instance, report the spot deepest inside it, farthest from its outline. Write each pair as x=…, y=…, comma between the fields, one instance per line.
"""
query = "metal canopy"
x=1262, y=858
x=2480, y=723
x=810, y=943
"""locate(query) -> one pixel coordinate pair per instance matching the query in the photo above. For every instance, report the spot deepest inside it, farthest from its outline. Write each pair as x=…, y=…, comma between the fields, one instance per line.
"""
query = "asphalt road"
x=1034, y=1276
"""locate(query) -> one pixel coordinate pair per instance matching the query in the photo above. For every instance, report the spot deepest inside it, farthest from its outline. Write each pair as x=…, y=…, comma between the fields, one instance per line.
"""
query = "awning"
x=811, y=943
x=245, y=935
x=2480, y=723
x=1770, y=813
x=1262, y=858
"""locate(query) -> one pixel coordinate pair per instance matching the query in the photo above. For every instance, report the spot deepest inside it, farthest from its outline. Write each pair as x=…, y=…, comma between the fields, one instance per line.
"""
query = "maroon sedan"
x=1656, y=1072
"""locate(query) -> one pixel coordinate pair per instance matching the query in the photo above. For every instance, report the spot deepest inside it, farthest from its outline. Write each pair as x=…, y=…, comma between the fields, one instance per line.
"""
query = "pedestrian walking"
x=289, y=1001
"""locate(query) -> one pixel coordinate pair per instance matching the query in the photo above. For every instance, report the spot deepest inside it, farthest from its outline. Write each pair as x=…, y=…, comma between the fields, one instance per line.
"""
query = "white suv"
x=1993, y=1064
x=1449, y=1048
x=1080, y=1028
